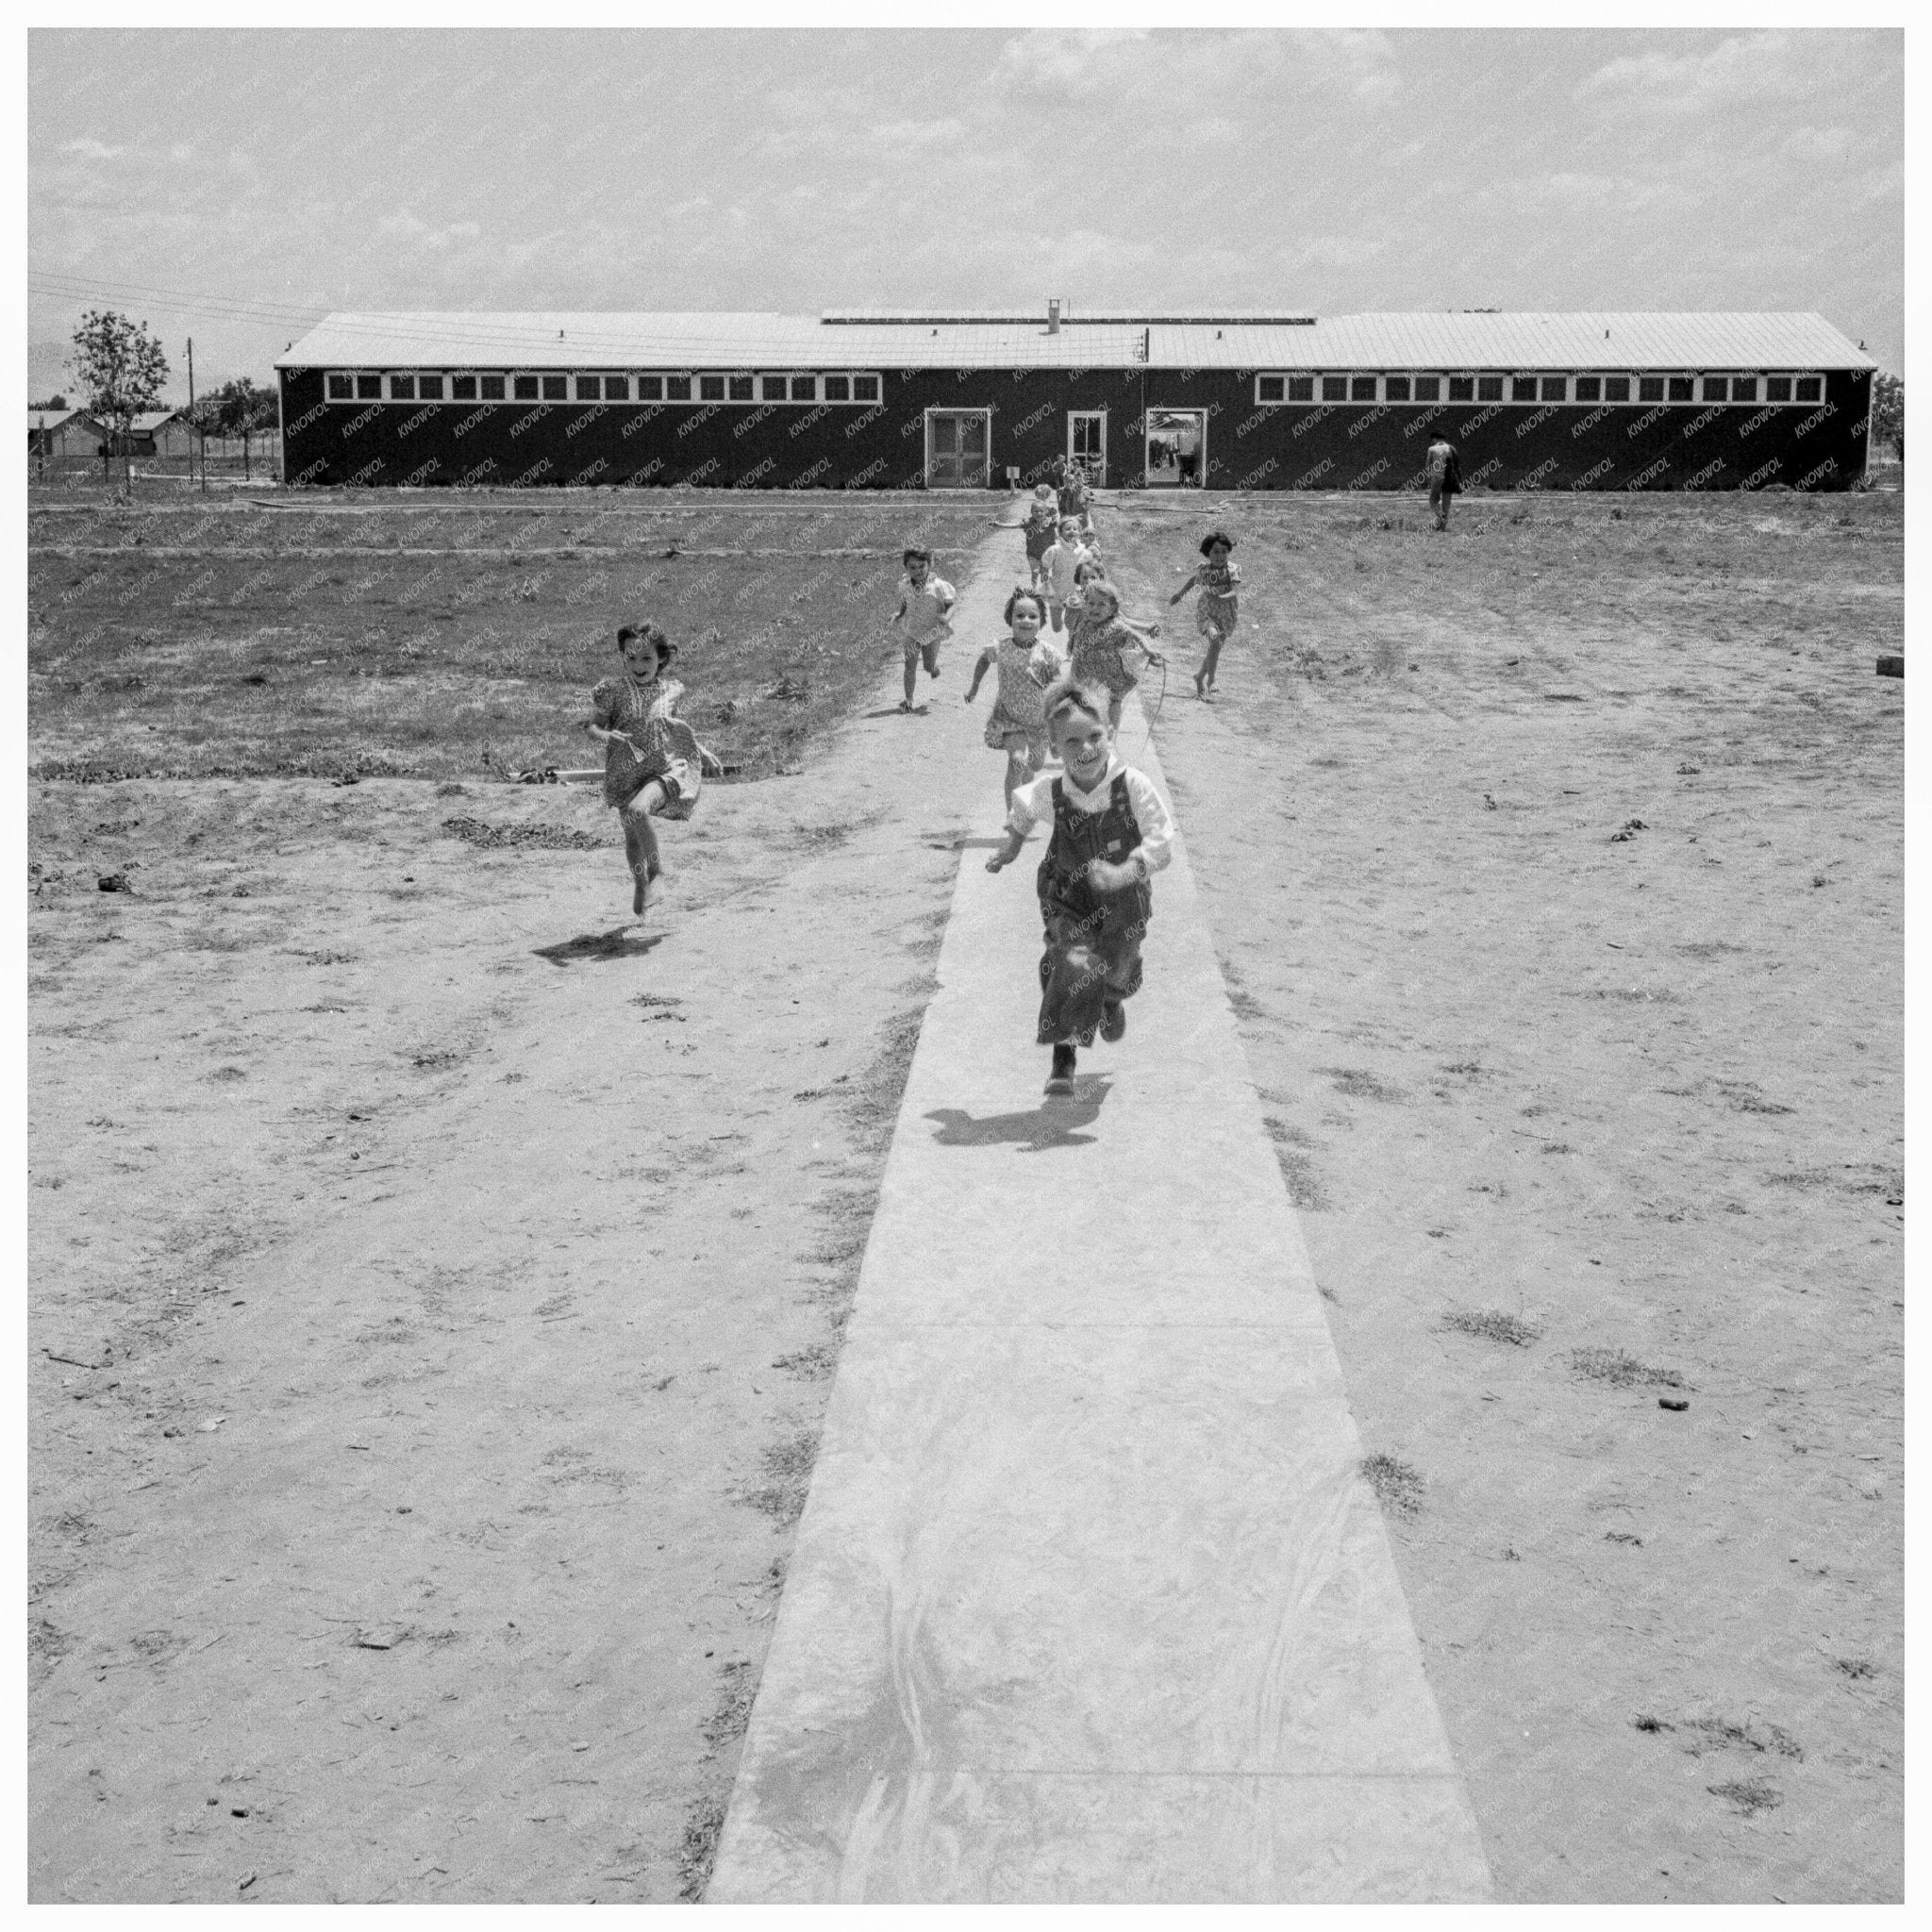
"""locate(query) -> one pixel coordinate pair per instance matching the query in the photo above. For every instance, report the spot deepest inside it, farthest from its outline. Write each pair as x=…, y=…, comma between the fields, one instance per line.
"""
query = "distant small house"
x=160, y=433
x=63, y=433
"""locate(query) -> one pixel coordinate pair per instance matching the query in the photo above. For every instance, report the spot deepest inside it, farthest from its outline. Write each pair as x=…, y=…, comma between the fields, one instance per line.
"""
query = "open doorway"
x=1176, y=448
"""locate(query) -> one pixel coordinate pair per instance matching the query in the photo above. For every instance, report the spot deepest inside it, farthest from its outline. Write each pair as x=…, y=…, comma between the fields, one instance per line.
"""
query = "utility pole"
x=194, y=421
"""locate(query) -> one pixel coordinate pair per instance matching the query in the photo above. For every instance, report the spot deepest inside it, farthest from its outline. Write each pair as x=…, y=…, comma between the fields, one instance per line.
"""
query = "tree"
x=120, y=370
x=56, y=401
x=1888, y=411
x=239, y=408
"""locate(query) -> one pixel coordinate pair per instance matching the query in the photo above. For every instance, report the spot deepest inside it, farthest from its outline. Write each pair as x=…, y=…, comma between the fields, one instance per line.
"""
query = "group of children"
x=1110, y=831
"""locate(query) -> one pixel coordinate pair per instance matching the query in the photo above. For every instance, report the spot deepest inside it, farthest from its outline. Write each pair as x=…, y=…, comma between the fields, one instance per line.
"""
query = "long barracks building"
x=1234, y=401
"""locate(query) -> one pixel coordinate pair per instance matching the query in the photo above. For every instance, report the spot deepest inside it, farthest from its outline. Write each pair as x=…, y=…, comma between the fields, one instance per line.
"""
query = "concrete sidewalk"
x=1089, y=1601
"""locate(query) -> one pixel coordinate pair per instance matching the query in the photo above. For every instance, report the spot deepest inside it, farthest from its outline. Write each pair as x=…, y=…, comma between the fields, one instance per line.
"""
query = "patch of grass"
x=786, y=1466
x=1357, y=1082
x=726, y=1723
x=873, y=1104
x=698, y=1851
x=446, y=643
x=1855, y=1667
x=1750, y=1795
x=1621, y=1370
x=1721, y=1734
x=1397, y=1486
x=1744, y=1096
x=1493, y=1323
x=1304, y=1187
x=551, y=837
x=814, y=1364
x=1304, y=1190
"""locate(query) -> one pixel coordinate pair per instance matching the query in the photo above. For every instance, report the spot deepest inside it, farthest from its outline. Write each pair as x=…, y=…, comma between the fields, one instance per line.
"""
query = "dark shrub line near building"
x=928, y=401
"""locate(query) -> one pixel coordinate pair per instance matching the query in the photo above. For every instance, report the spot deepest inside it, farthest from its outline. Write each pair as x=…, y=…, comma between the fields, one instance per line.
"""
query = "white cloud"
x=1579, y=190
x=917, y=133
x=1881, y=183
x=1066, y=60
x=1334, y=251
x=1817, y=144
x=408, y=227
x=90, y=149
x=1748, y=67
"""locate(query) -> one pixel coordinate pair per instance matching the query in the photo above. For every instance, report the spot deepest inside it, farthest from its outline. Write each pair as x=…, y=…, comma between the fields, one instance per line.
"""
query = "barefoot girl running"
x=1219, y=609
x=1025, y=665
x=653, y=763
x=1101, y=640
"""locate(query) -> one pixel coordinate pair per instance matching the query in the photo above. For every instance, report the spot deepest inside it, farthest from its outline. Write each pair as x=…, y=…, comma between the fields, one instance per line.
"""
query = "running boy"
x=1058, y=565
x=1043, y=525
x=925, y=602
x=653, y=763
x=1219, y=608
x=1026, y=665
x=1110, y=834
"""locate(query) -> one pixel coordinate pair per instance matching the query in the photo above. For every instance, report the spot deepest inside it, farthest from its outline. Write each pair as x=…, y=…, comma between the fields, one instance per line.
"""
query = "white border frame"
x=1146, y=435
x=1086, y=415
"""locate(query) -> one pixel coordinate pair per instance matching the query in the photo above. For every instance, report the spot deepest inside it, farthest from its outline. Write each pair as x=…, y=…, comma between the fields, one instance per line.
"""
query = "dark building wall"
x=1280, y=446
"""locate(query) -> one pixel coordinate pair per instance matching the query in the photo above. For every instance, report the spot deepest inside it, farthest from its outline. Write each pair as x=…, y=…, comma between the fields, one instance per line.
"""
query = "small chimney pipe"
x=1053, y=315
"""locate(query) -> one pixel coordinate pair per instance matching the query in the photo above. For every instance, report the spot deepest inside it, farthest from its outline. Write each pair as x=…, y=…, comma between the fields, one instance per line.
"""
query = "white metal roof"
x=754, y=339
x=1085, y=318
x=148, y=421
x=53, y=418
x=1484, y=340
x=680, y=341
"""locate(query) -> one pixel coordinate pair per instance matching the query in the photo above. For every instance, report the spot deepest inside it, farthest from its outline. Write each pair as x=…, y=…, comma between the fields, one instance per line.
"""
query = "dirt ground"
x=435, y=1280
x=1579, y=1121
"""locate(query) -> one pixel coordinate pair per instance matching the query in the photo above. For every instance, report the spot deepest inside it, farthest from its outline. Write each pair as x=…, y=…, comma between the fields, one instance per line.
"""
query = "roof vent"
x=1053, y=315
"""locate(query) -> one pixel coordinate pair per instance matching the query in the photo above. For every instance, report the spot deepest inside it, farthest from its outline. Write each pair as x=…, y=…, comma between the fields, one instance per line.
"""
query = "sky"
x=235, y=186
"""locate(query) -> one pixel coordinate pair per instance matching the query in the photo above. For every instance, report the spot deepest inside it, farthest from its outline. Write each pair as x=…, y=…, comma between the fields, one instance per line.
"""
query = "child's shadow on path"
x=1055, y=1125
x=618, y=943
x=893, y=711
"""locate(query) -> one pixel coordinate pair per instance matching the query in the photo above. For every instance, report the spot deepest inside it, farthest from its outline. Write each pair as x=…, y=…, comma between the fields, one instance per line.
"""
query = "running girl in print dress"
x=1219, y=609
x=1026, y=665
x=1103, y=642
x=653, y=762
x=1110, y=835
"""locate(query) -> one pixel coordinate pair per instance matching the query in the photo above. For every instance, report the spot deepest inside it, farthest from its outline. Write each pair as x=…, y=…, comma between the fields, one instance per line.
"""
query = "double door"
x=956, y=448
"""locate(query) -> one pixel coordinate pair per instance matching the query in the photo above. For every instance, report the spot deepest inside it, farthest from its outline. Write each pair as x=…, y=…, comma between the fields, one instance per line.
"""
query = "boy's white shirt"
x=1033, y=804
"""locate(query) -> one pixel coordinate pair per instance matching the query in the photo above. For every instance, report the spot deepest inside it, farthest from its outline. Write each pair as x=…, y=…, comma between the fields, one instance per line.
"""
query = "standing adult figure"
x=1445, y=476
x=1187, y=453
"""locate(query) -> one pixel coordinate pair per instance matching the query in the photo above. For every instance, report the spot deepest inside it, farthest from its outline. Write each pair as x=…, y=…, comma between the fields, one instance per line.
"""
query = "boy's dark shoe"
x=1113, y=1022
x=1061, y=1079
